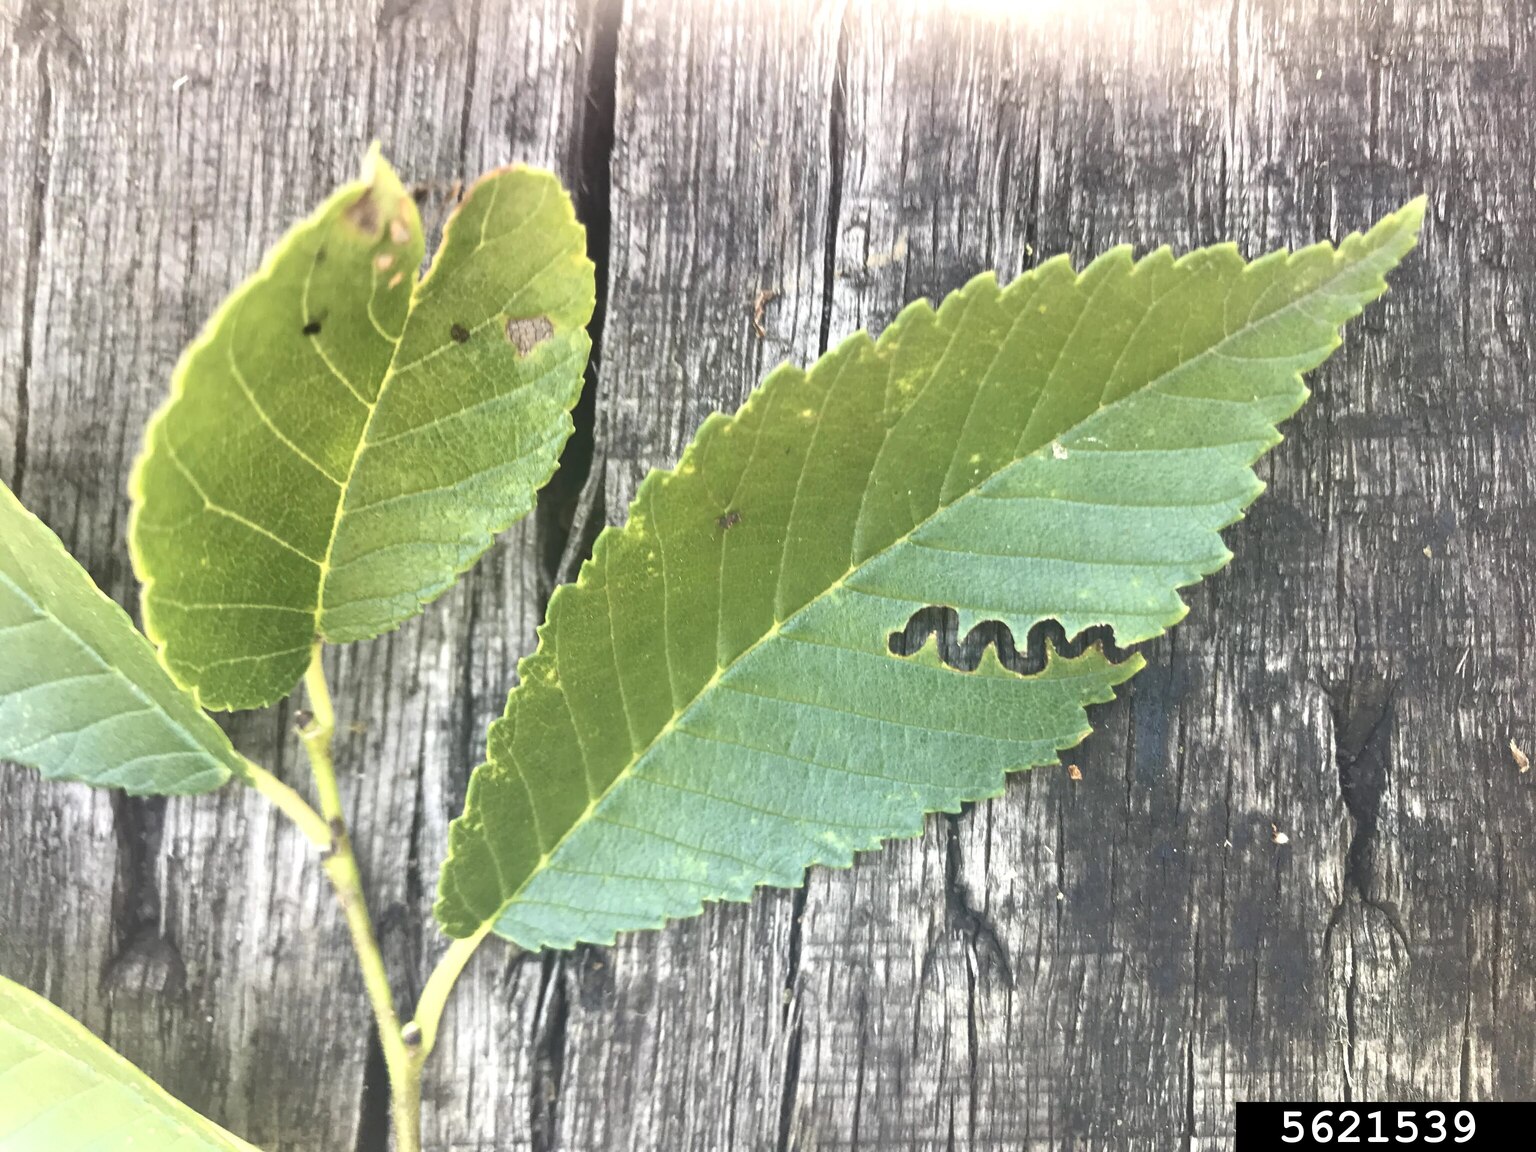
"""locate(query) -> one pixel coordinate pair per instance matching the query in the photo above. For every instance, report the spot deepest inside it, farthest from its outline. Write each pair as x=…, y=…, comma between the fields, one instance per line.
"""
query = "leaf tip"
x=373, y=158
x=1398, y=232
x=380, y=203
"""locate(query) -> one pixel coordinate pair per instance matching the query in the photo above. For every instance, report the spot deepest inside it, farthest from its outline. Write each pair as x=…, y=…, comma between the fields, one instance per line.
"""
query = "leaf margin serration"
x=1406, y=220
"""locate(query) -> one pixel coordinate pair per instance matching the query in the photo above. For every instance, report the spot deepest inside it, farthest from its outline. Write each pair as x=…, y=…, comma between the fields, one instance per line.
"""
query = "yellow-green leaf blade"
x=342, y=440
x=82, y=696
x=236, y=493
x=714, y=705
x=477, y=406
x=62, y=1088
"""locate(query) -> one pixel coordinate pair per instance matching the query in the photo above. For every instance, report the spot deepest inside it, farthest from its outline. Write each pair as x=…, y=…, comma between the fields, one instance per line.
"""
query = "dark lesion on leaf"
x=312, y=328
x=727, y=520
x=527, y=334
x=363, y=213
x=964, y=655
x=459, y=334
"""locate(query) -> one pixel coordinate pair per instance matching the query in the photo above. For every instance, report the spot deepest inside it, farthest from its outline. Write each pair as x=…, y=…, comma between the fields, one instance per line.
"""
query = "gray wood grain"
x=1108, y=963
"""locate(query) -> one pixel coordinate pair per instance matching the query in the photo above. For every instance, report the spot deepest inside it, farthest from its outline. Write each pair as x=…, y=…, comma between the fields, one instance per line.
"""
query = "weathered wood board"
x=1101, y=964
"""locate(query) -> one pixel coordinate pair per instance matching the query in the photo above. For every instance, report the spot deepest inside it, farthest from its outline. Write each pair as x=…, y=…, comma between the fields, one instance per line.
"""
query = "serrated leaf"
x=62, y=1088
x=714, y=705
x=82, y=696
x=343, y=441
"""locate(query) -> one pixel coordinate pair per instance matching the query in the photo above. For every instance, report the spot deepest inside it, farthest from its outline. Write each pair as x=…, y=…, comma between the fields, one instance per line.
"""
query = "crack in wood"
x=837, y=145
x=1363, y=718
x=145, y=962
x=565, y=526
x=1362, y=724
x=45, y=29
x=961, y=911
x=1189, y=1042
x=373, y=1122
x=471, y=78
x=790, y=1021
x=548, y=1058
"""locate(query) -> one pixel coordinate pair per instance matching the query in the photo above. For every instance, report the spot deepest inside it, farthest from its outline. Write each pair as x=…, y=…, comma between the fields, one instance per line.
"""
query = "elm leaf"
x=345, y=438
x=715, y=704
x=62, y=1088
x=82, y=696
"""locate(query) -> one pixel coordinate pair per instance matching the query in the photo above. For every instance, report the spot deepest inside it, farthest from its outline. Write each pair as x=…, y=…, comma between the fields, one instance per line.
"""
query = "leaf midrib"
x=396, y=369
x=344, y=487
x=680, y=714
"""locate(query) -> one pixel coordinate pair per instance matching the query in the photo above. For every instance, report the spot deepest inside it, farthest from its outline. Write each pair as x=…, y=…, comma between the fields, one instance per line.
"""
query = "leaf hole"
x=964, y=655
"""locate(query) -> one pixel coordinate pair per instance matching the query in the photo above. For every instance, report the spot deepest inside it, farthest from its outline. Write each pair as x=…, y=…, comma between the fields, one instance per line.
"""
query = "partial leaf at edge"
x=343, y=441
x=713, y=704
x=62, y=1088
x=82, y=696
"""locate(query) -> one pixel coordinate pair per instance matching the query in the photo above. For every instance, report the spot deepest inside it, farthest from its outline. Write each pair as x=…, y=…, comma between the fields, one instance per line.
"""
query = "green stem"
x=289, y=803
x=405, y=1047
x=401, y=1058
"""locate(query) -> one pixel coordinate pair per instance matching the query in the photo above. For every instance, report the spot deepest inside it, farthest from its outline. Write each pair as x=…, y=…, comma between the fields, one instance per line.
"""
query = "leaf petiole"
x=434, y=996
x=289, y=803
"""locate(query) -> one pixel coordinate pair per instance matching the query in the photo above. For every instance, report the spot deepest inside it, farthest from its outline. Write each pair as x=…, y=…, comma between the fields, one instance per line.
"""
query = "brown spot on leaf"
x=526, y=335
x=459, y=333
x=363, y=213
x=384, y=261
x=394, y=281
x=312, y=328
x=727, y=520
x=399, y=232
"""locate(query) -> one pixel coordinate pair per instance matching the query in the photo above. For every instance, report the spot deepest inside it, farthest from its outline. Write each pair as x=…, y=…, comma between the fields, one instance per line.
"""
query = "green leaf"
x=61, y=1088
x=342, y=441
x=82, y=696
x=714, y=704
